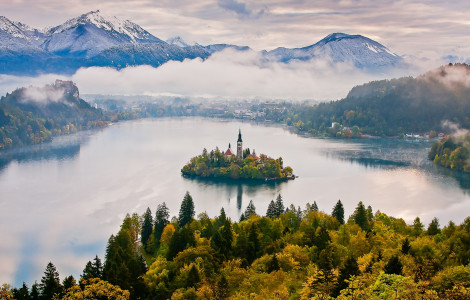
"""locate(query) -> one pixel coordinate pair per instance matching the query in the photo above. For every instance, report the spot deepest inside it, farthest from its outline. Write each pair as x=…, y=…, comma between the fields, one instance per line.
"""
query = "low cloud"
x=44, y=95
x=455, y=129
x=228, y=74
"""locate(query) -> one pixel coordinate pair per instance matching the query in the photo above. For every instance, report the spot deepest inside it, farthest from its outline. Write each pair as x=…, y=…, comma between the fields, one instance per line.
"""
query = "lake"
x=61, y=201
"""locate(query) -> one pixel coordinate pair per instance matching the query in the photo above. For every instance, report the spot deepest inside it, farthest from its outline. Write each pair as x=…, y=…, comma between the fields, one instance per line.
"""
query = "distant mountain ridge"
x=95, y=40
x=340, y=47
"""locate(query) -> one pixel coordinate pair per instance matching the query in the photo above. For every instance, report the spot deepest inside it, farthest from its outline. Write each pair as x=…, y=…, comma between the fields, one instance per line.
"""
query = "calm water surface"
x=61, y=201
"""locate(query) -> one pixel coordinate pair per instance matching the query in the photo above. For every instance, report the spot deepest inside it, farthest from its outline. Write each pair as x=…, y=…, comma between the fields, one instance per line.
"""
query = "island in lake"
x=243, y=164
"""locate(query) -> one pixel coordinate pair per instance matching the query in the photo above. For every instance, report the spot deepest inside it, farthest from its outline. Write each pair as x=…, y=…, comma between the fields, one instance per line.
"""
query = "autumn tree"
x=338, y=212
x=186, y=211
x=95, y=288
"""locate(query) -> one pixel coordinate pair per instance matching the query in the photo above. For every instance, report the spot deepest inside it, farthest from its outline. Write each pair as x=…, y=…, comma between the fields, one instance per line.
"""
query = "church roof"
x=239, y=136
x=229, y=152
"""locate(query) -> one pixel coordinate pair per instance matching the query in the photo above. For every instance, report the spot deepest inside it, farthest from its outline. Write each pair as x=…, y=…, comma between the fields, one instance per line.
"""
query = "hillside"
x=286, y=253
x=395, y=107
x=35, y=114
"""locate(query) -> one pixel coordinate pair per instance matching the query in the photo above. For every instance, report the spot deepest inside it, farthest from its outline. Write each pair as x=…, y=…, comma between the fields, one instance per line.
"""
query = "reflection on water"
x=61, y=201
x=63, y=148
x=236, y=189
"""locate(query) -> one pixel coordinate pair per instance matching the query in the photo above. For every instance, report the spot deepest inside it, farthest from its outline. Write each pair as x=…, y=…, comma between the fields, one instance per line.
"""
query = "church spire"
x=239, y=145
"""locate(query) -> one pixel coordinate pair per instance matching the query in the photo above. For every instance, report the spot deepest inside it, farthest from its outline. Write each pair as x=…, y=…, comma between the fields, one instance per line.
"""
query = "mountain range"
x=95, y=40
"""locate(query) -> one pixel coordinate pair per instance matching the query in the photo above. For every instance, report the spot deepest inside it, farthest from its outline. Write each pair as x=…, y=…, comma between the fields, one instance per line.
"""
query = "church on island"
x=239, y=153
x=243, y=164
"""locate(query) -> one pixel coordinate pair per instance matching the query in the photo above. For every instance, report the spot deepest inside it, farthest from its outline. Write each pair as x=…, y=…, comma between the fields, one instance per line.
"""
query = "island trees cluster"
x=452, y=152
x=291, y=253
x=215, y=164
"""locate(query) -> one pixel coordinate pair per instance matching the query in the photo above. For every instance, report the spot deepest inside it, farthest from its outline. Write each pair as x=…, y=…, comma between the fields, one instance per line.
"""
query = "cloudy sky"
x=431, y=28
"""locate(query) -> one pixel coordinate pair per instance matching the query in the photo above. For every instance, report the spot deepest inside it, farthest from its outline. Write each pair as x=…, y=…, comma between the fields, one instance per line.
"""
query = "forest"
x=286, y=253
x=215, y=164
x=452, y=152
x=388, y=107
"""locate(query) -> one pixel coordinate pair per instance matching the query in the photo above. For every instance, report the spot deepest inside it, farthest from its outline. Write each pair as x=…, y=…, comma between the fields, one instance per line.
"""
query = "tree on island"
x=186, y=211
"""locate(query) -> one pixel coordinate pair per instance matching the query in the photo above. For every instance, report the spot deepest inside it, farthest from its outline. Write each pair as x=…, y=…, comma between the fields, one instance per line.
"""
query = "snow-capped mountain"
x=340, y=47
x=93, y=39
x=92, y=33
x=16, y=36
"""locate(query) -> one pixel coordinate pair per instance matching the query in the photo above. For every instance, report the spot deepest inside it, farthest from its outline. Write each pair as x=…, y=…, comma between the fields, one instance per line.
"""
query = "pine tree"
x=68, y=282
x=393, y=266
x=253, y=244
x=222, y=287
x=418, y=227
x=34, y=295
x=405, y=247
x=147, y=227
x=221, y=219
x=322, y=239
x=193, y=277
x=360, y=216
x=279, y=208
x=433, y=227
x=227, y=238
x=274, y=264
x=186, y=211
x=271, y=212
x=370, y=214
x=21, y=293
x=350, y=268
x=338, y=212
x=250, y=210
x=314, y=206
x=162, y=217
x=50, y=283
x=93, y=269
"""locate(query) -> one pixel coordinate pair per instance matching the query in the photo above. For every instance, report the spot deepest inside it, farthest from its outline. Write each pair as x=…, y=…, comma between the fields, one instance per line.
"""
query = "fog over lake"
x=61, y=201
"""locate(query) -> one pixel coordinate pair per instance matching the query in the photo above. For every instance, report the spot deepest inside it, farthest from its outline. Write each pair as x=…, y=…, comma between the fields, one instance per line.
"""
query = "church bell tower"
x=239, y=145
